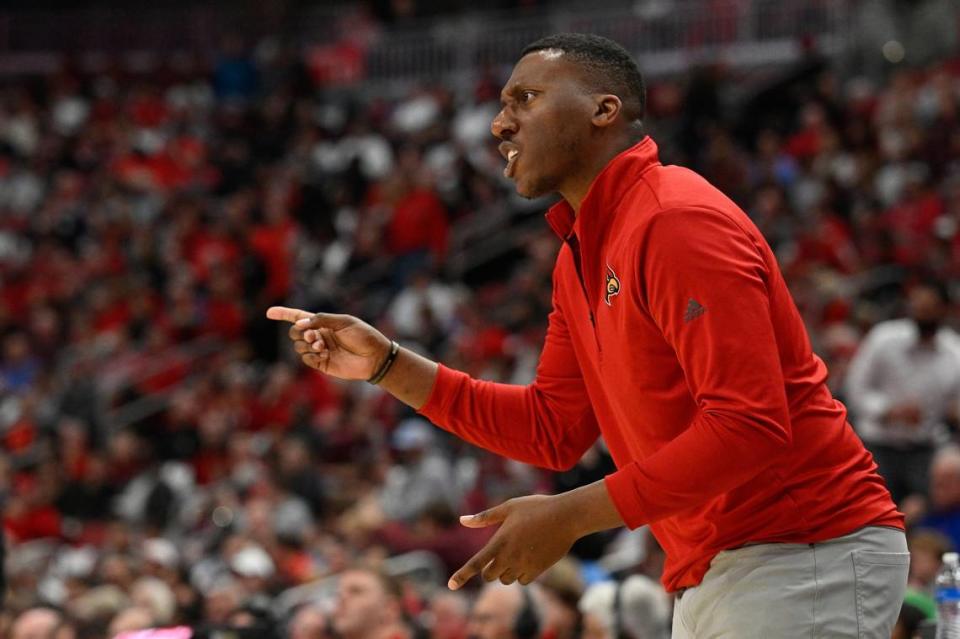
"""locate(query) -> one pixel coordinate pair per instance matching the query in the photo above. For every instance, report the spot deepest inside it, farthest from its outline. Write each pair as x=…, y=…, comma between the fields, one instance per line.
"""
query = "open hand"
x=338, y=345
x=906, y=414
x=535, y=532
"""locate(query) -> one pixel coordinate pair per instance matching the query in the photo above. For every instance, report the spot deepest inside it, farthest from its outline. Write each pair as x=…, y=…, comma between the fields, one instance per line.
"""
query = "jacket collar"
x=606, y=190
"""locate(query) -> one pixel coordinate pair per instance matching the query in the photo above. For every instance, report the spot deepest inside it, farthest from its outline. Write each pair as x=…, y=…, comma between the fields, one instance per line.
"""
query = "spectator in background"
x=255, y=617
x=129, y=620
x=18, y=367
x=417, y=232
x=308, y=622
x=424, y=304
x=369, y=606
x=436, y=530
x=421, y=478
x=507, y=612
x=943, y=513
x=235, y=76
x=224, y=596
x=636, y=608
x=903, y=386
x=254, y=569
x=99, y=606
x=38, y=623
x=161, y=560
x=449, y=616
x=926, y=550
x=562, y=587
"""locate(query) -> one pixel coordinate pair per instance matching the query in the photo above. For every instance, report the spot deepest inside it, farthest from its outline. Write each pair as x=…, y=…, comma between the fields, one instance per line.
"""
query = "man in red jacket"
x=672, y=335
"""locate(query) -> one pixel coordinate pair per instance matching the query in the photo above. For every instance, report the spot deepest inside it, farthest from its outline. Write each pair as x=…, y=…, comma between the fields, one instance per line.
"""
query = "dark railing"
x=442, y=47
x=757, y=31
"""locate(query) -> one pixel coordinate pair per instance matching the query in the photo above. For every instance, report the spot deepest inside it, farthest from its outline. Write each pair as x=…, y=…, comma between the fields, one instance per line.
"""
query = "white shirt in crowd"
x=406, y=312
x=893, y=367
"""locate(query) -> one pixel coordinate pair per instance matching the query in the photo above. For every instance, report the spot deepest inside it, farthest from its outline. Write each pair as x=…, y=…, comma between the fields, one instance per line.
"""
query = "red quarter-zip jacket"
x=674, y=336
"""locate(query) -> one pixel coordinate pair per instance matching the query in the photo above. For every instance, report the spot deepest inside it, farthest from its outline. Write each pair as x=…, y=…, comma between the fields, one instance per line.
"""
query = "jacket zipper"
x=574, y=245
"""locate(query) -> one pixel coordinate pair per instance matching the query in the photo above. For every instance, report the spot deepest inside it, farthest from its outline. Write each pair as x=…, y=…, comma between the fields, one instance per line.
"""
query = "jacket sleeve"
x=548, y=423
x=705, y=283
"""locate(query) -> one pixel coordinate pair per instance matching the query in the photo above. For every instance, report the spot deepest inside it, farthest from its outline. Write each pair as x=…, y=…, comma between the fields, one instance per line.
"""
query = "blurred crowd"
x=167, y=461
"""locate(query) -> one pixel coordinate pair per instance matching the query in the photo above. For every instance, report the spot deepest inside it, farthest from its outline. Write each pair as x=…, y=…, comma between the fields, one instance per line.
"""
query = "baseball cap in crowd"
x=252, y=561
x=161, y=551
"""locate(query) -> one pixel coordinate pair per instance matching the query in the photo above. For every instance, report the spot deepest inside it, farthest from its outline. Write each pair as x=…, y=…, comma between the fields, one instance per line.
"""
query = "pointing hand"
x=337, y=345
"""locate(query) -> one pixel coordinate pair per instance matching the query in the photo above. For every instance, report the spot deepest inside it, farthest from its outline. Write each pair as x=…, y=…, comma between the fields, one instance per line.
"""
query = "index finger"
x=285, y=314
x=476, y=564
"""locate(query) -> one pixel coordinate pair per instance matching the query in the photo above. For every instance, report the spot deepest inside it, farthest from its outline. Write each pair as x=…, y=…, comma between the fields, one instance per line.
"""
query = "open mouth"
x=511, y=163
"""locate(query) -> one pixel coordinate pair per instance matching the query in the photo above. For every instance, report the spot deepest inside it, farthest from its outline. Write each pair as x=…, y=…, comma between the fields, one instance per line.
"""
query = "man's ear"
x=608, y=109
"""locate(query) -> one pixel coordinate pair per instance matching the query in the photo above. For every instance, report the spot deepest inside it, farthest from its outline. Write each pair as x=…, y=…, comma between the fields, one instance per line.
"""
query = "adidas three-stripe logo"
x=694, y=310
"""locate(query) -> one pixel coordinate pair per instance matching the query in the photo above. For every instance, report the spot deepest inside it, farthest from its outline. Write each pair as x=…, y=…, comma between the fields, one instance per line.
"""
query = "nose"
x=503, y=126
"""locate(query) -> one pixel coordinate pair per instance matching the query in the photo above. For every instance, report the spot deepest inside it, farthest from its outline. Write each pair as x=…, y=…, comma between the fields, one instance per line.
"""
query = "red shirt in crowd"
x=419, y=222
x=681, y=346
x=275, y=245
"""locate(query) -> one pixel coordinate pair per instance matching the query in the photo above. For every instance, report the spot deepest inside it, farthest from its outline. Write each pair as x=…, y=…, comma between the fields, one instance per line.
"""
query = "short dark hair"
x=612, y=68
x=930, y=282
x=391, y=585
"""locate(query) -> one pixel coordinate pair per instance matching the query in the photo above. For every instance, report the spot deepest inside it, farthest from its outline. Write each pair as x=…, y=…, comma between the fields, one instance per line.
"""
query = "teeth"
x=512, y=154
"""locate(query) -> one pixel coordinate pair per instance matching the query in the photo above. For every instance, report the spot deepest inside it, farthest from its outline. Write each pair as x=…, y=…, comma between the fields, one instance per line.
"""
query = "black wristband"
x=385, y=367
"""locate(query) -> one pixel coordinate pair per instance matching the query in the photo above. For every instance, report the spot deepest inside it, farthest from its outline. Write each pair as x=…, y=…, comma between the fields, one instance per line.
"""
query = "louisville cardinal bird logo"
x=613, y=285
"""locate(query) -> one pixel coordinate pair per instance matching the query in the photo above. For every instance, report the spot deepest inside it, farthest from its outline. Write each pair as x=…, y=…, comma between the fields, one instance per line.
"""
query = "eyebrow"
x=514, y=90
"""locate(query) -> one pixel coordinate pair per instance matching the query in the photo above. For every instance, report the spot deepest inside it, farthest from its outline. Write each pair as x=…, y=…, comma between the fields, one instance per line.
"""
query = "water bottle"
x=948, y=597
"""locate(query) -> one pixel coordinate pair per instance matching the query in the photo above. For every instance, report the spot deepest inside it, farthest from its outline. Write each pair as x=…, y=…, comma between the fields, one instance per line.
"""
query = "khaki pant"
x=848, y=587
